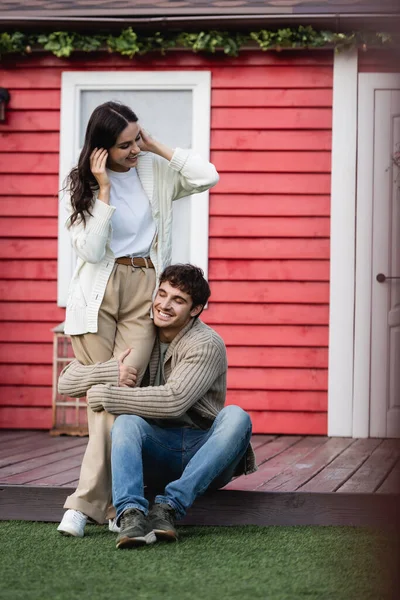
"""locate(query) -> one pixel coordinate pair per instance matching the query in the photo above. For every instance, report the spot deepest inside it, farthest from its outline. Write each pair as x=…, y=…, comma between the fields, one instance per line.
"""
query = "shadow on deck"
x=302, y=480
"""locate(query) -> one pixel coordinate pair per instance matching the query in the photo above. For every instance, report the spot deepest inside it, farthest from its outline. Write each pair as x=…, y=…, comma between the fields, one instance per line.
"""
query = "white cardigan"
x=187, y=173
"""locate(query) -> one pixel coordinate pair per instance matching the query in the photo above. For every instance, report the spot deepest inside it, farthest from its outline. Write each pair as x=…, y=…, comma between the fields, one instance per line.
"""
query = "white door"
x=385, y=317
x=377, y=310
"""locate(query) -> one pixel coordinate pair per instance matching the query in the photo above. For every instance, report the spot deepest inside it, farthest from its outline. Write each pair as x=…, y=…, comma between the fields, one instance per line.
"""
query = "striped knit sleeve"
x=192, y=377
x=76, y=379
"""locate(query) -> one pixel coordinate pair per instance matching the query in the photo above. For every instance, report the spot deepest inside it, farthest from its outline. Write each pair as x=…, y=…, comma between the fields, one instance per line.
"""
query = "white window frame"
x=73, y=83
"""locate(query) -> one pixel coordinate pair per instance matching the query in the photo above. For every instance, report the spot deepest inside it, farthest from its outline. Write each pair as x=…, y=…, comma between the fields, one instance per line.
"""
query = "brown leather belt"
x=135, y=261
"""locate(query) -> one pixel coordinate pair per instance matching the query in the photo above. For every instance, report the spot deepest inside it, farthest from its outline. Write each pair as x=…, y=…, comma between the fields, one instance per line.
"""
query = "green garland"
x=129, y=43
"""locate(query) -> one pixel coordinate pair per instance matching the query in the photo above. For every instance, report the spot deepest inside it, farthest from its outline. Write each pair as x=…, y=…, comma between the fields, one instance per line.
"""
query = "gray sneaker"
x=162, y=520
x=135, y=530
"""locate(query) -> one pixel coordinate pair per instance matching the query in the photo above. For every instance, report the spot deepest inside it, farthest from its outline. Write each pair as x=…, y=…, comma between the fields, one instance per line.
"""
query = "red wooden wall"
x=269, y=230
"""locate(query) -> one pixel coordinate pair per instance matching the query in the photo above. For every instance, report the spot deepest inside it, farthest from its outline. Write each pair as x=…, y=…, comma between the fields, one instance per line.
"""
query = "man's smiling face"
x=172, y=310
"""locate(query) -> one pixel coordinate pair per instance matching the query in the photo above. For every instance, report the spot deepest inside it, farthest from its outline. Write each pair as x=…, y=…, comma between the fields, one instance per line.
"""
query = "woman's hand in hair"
x=149, y=144
x=98, y=160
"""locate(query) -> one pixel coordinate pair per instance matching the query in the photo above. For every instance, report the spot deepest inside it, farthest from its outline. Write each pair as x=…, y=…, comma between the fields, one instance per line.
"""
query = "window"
x=175, y=108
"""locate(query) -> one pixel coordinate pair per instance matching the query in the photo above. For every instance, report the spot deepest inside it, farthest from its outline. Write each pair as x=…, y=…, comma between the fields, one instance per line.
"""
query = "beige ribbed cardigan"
x=195, y=368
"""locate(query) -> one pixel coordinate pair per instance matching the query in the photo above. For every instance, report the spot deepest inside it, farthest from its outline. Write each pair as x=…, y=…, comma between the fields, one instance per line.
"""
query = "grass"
x=276, y=563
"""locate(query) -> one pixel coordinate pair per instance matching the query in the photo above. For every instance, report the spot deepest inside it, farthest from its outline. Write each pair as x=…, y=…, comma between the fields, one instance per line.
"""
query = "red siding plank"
x=264, y=314
x=26, y=375
x=28, y=185
x=224, y=76
x=32, y=78
x=29, y=206
x=267, y=270
x=28, y=269
x=22, y=162
x=270, y=97
x=273, y=335
x=277, y=379
x=273, y=400
x=273, y=77
x=271, y=118
x=268, y=162
x=26, y=354
x=44, y=248
x=31, y=121
x=25, y=418
x=268, y=248
x=51, y=99
x=273, y=183
x=240, y=139
x=25, y=396
x=222, y=291
x=27, y=332
x=29, y=142
x=268, y=205
x=28, y=290
x=288, y=423
x=276, y=292
x=33, y=311
x=28, y=227
x=238, y=378
x=277, y=357
x=277, y=227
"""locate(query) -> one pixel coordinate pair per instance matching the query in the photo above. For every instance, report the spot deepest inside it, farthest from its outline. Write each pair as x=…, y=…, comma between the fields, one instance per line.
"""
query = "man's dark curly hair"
x=188, y=279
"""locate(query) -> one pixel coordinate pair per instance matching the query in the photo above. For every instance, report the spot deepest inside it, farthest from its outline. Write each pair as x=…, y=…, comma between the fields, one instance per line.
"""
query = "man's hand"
x=127, y=375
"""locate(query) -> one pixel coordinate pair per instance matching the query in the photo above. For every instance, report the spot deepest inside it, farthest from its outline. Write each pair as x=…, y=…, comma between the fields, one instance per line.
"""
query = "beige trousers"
x=123, y=322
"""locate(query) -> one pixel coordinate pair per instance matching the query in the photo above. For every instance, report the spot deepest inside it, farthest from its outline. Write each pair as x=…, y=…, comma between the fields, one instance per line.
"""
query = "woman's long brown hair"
x=105, y=124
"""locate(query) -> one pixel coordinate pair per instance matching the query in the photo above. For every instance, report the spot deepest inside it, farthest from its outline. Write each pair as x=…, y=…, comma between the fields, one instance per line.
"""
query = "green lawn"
x=208, y=562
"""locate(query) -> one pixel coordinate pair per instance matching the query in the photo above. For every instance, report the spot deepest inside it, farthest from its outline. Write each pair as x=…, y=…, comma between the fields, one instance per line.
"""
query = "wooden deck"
x=301, y=480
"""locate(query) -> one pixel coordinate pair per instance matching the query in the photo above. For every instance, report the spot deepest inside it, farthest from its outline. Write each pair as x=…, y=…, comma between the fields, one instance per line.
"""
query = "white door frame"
x=368, y=83
x=342, y=258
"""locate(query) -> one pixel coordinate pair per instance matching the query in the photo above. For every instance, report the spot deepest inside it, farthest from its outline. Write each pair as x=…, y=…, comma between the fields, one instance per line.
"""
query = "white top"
x=132, y=222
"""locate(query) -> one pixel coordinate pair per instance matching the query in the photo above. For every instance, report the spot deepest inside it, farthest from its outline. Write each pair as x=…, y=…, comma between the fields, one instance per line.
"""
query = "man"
x=173, y=433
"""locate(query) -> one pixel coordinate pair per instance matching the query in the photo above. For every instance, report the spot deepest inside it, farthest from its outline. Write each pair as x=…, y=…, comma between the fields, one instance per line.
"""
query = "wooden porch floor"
x=301, y=480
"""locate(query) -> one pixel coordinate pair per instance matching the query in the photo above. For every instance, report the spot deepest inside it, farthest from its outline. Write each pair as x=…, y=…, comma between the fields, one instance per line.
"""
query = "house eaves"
x=196, y=14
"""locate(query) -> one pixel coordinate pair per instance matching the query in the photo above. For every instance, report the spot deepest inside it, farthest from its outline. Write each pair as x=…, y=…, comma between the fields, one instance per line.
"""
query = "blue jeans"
x=183, y=462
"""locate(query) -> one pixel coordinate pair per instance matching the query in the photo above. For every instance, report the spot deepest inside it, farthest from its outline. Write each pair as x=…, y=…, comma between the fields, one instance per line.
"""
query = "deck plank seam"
x=393, y=468
x=278, y=452
x=305, y=457
x=52, y=462
x=288, y=465
x=46, y=452
x=384, y=477
x=335, y=488
x=72, y=451
x=376, y=450
x=357, y=468
x=325, y=466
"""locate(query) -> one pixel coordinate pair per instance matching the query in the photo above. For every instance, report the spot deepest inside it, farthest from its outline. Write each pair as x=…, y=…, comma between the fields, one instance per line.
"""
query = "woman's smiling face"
x=123, y=155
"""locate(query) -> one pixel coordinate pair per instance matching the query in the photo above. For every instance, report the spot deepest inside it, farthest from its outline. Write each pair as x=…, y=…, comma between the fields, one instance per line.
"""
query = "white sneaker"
x=73, y=523
x=112, y=526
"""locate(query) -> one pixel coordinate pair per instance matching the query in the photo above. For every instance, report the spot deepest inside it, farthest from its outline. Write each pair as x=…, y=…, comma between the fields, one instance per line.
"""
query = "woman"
x=120, y=222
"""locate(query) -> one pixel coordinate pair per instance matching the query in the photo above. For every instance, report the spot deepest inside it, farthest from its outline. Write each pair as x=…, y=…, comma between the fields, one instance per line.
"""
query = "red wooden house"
x=305, y=216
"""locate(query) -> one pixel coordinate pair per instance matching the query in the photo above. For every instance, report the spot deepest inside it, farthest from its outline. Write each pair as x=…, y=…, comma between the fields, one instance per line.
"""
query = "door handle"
x=381, y=278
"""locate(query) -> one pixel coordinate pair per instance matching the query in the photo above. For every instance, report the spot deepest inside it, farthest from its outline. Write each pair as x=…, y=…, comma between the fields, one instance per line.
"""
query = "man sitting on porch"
x=173, y=433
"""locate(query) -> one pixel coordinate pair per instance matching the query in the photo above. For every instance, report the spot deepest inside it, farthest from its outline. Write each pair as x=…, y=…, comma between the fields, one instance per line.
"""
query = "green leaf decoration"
x=129, y=43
